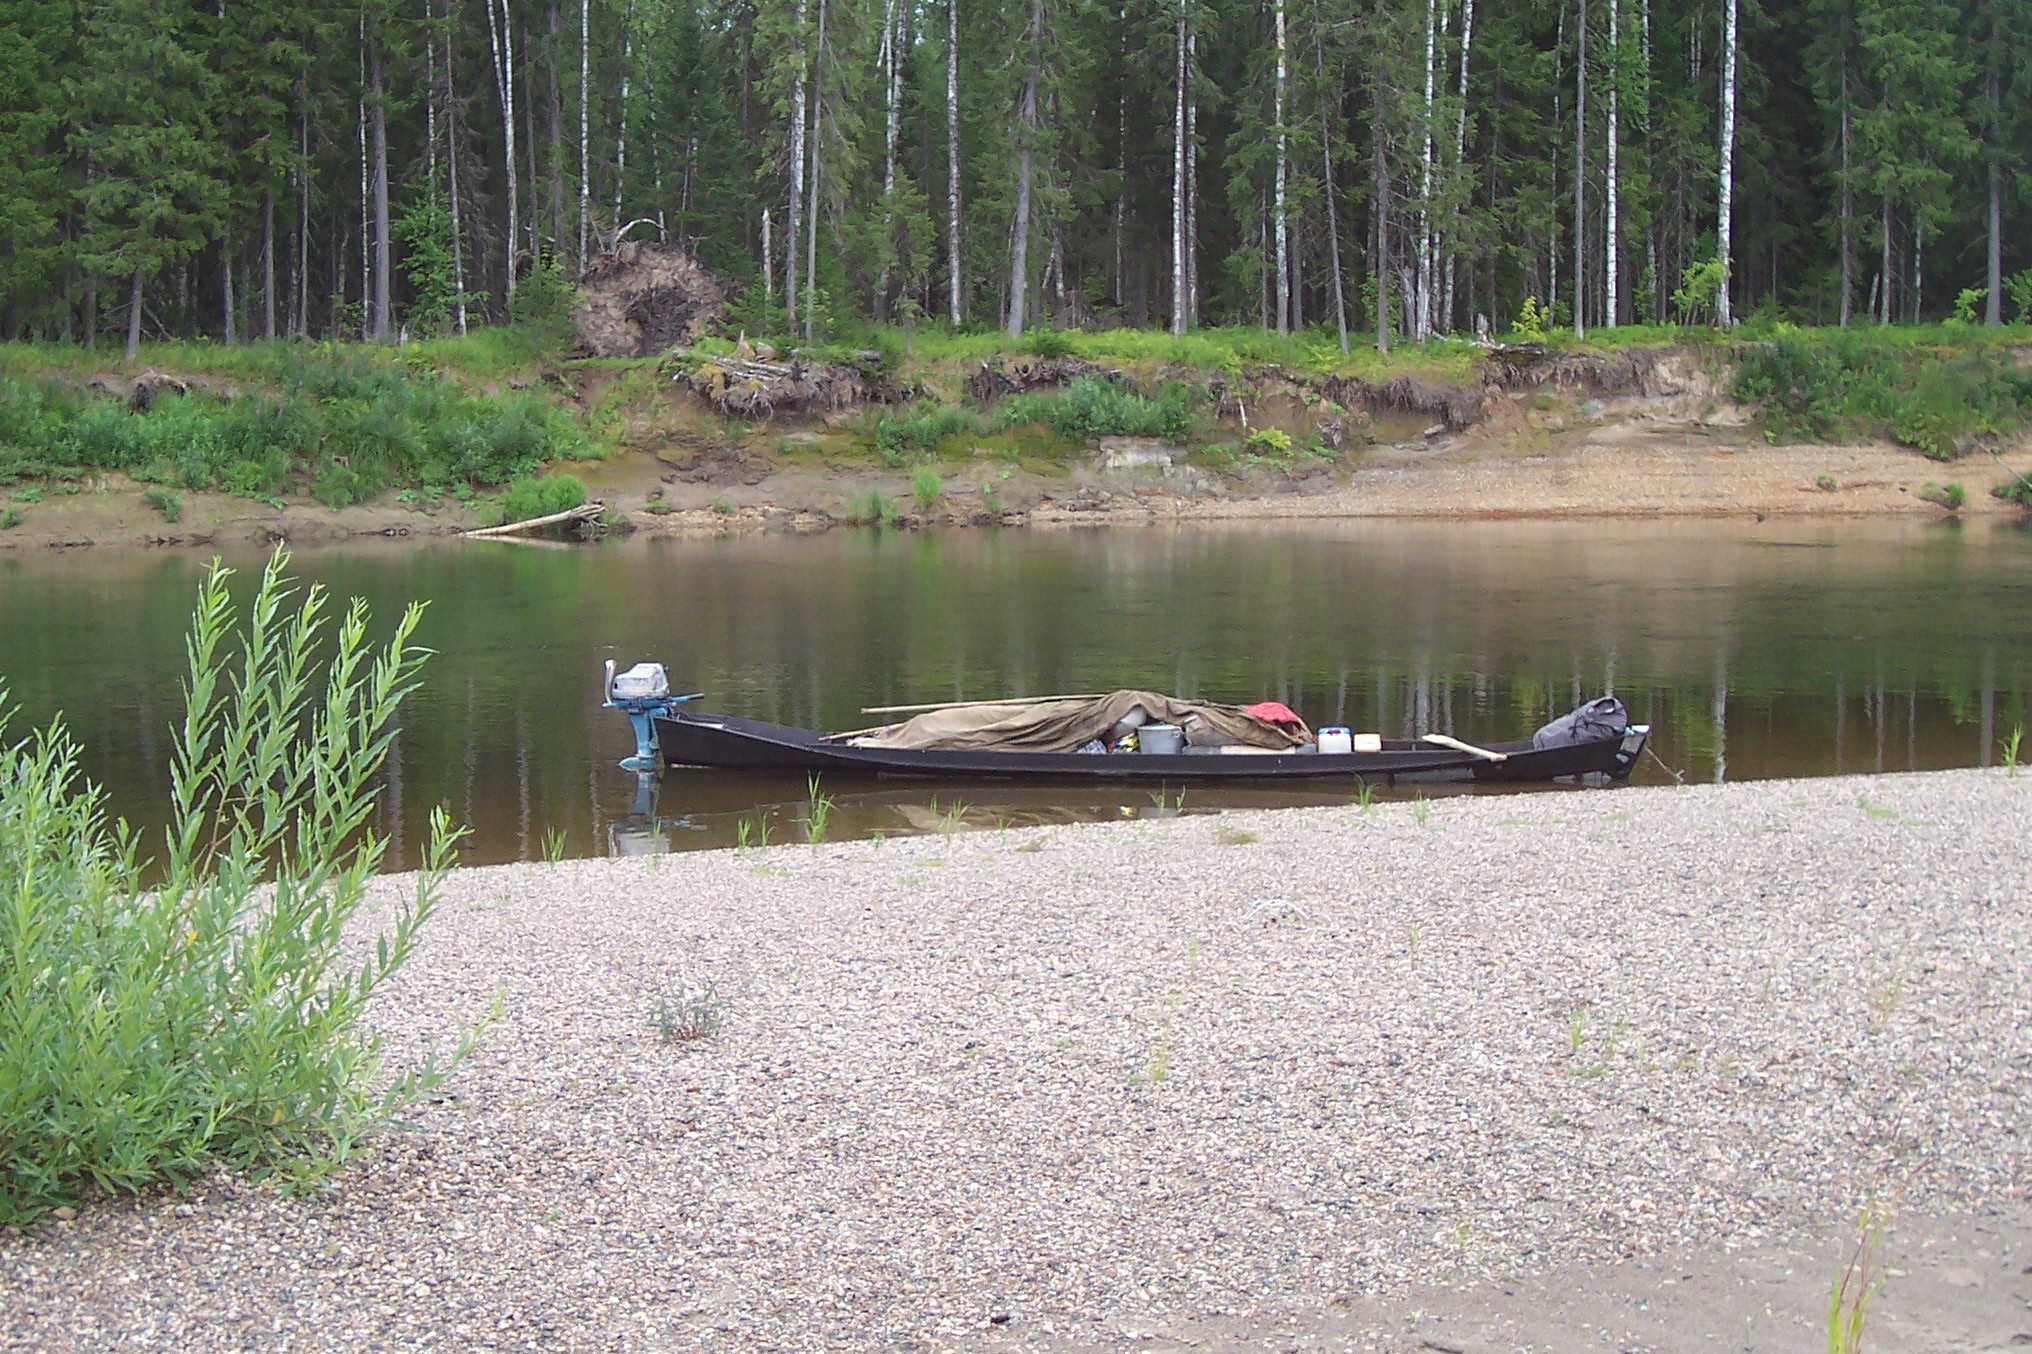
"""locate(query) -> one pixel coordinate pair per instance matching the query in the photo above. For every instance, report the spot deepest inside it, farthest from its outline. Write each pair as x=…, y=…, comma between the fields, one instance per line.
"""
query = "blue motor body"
x=642, y=693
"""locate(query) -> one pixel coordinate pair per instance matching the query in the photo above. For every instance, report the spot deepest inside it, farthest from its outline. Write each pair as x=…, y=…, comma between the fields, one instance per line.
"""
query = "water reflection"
x=1754, y=650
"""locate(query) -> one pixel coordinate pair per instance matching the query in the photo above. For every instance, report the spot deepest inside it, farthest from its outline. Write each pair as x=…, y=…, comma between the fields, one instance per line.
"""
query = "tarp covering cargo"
x=1066, y=723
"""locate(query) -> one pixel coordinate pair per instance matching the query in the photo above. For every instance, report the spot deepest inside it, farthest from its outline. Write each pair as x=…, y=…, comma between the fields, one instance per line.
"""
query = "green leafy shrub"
x=167, y=502
x=154, y=1027
x=2018, y=490
x=917, y=430
x=527, y=498
x=1531, y=322
x=1096, y=407
x=927, y=488
x=10, y=518
x=1046, y=343
x=1932, y=401
x=1272, y=442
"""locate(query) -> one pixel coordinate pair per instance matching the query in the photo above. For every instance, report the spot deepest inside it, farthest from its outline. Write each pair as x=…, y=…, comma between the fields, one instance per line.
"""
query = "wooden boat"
x=695, y=738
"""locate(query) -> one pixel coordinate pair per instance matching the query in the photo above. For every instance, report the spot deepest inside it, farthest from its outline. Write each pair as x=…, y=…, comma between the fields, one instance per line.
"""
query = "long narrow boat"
x=695, y=738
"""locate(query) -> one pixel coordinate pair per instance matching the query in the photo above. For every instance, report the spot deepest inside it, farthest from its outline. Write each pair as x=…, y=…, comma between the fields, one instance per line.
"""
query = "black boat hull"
x=726, y=743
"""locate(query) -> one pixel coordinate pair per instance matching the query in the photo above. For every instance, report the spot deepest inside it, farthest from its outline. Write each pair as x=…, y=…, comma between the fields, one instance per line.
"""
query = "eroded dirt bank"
x=1648, y=433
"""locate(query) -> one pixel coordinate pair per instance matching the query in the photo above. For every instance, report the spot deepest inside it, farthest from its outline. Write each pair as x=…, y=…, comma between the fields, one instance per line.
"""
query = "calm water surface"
x=1754, y=650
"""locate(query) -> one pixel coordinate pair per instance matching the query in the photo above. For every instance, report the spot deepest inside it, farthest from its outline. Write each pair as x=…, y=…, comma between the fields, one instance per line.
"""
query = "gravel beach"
x=1247, y=1080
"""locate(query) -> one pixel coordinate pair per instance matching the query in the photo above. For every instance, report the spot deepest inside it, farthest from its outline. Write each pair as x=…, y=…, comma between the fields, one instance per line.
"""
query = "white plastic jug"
x=1335, y=741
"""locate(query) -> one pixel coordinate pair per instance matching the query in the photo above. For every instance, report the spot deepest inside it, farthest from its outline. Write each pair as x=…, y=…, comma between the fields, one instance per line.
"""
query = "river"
x=1754, y=649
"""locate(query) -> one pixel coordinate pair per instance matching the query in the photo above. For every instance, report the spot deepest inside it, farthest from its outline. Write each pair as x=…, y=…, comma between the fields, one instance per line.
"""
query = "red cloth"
x=1273, y=712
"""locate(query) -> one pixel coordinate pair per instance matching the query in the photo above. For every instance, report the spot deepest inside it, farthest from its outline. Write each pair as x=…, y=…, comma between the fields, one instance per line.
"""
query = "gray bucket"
x=1160, y=740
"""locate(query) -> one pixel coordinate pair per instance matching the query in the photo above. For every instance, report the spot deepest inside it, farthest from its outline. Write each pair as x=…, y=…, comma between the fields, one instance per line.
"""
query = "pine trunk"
x=268, y=264
x=377, y=129
x=134, y=316
x=231, y=331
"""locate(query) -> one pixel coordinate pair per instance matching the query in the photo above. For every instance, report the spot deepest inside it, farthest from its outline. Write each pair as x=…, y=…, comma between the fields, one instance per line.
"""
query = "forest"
x=1380, y=169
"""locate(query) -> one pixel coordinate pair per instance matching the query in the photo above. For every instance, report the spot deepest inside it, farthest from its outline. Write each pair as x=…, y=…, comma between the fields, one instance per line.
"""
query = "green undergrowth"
x=1938, y=399
x=541, y=497
x=339, y=424
x=1087, y=408
x=206, y=1008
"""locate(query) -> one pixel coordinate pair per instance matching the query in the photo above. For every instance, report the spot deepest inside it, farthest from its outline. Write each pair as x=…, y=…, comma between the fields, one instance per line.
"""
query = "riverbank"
x=1185, y=1083
x=204, y=447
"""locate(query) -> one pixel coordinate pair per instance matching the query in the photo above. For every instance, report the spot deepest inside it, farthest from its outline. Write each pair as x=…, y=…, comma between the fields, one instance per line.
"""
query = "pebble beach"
x=1236, y=1080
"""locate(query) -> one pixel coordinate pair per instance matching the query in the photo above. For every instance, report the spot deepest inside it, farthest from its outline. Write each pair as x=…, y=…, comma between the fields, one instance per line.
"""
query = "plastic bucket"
x=1335, y=741
x=1161, y=740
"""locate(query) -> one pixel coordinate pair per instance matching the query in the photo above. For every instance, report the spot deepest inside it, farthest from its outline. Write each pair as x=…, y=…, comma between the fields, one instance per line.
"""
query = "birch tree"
x=1725, y=213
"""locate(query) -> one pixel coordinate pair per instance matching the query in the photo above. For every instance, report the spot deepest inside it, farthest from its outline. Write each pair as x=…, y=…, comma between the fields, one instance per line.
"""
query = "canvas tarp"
x=1065, y=723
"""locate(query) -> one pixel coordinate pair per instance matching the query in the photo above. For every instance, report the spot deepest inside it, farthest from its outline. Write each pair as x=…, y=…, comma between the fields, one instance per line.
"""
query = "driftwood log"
x=584, y=512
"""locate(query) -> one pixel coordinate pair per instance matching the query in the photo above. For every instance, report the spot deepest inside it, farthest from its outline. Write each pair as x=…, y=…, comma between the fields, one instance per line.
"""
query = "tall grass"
x=149, y=1032
x=341, y=426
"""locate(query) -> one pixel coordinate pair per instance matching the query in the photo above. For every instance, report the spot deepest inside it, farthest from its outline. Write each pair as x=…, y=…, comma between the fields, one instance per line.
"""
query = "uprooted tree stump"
x=646, y=297
x=753, y=388
x=1003, y=376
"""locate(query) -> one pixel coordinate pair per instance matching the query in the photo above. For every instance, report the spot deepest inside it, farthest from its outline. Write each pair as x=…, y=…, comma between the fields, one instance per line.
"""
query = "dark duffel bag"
x=1598, y=720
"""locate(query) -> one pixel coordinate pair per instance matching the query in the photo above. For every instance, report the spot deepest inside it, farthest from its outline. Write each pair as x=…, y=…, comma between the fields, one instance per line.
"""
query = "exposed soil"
x=1642, y=434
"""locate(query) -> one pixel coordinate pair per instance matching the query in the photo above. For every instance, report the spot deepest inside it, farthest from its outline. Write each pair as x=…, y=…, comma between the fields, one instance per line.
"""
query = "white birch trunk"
x=890, y=64
x=1191, y=180
x=585, y=128
x=1993, y=306
x=1421, y=324
x=1651, y=229
x=1277, y=208
x=621, y=133
x=382, y=324
x=952, y=156
x=504, y=84
x=796, y=206
x=1848, y=243
x=811, y=208
x=1026, y=121
x=1726, y=210
x=1580, y=179
x=1333, y=228
x=1611, y=239
x=768, y=269
x=1460, y=132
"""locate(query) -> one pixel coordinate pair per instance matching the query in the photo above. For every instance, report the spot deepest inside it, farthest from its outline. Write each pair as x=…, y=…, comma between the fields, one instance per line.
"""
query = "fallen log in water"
x=584, y=512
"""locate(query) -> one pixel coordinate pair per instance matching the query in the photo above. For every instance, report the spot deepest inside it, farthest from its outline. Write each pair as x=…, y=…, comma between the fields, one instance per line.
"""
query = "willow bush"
x=150, y=1031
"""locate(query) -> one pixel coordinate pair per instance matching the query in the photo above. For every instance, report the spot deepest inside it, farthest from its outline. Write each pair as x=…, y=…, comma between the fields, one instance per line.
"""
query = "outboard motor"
x=1596, y=722
x=642, y=693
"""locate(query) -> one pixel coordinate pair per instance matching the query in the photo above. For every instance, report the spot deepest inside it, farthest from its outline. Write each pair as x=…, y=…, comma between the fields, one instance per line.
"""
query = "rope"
x=1677, y=776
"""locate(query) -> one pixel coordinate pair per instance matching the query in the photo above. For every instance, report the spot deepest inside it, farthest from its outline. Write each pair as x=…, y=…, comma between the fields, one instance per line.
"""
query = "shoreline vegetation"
x=198, y=443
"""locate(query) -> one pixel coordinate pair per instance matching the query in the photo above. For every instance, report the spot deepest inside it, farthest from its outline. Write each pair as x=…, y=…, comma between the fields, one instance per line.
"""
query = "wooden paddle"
x=1485, y=754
